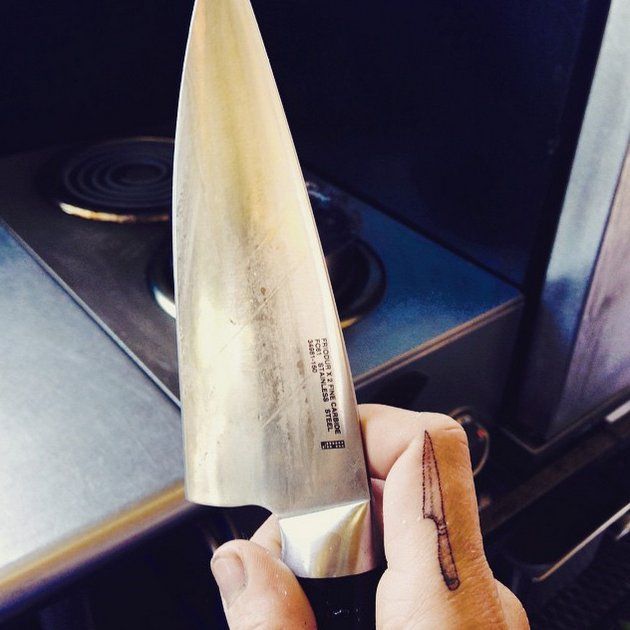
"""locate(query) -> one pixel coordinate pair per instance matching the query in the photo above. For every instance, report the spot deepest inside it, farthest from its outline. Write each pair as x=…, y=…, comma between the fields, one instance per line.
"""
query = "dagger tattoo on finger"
x=433, y=508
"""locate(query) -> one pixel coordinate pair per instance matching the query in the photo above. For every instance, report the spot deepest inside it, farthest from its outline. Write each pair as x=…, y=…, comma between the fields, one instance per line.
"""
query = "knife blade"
x=268, y=404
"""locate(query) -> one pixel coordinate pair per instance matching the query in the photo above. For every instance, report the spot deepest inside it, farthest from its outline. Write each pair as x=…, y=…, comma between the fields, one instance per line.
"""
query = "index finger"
x=388, y=431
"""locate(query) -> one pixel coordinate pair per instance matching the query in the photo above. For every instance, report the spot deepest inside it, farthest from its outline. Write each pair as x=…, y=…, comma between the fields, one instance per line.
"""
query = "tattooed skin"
x=433, y=508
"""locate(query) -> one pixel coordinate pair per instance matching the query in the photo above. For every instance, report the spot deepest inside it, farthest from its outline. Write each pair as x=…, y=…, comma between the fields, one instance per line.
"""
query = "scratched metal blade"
x=268, y=403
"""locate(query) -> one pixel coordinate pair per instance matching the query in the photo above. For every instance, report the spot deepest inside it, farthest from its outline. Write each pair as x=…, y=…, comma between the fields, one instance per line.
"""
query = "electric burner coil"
x=119, y=181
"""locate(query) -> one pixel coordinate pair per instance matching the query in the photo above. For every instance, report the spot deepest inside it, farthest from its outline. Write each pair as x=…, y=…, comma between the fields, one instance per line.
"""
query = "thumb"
x=258, y=590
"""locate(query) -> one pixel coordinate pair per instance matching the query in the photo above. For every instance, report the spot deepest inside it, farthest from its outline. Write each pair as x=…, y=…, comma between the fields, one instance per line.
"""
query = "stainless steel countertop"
x=90, y=447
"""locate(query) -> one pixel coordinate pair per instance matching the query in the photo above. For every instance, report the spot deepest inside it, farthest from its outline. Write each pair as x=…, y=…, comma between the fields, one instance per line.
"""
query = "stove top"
x=396, y=290
x=418, y=318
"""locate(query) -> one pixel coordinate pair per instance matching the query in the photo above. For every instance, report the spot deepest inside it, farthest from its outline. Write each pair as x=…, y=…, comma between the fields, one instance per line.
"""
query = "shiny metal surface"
x=570, y=277
x=617, y=516
x=267, y=397
x=318, y=544
x=103, y=265
x=90, y=453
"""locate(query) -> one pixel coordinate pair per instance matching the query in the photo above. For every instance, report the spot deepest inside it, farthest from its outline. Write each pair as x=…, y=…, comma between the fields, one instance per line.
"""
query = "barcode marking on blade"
x=328, y=444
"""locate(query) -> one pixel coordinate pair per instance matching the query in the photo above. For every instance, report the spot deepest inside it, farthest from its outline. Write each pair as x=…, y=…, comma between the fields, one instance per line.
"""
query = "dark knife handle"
x=344, y=602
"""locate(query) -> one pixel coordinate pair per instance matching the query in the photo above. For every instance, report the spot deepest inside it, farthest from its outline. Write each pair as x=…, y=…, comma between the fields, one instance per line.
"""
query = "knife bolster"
x=331, y=542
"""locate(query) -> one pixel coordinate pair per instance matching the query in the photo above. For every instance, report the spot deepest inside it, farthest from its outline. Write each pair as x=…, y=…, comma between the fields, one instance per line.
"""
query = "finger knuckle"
x=448, y=428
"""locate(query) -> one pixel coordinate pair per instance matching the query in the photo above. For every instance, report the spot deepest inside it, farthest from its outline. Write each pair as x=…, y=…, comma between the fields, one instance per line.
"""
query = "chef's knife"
x=267, y=397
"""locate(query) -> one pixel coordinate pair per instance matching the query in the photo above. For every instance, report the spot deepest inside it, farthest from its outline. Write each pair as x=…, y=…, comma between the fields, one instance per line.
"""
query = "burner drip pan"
x=121, y=181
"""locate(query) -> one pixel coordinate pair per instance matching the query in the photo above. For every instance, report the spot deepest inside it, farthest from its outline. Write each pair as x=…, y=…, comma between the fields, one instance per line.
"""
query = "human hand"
x=437, y=575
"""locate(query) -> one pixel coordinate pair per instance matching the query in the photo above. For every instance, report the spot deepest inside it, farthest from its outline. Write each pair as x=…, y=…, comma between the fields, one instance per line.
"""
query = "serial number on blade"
x=321, y=366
